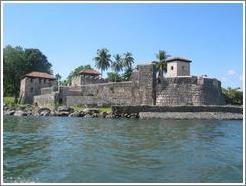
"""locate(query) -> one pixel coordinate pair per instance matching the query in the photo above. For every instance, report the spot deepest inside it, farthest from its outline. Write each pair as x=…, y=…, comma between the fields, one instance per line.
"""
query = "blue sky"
x=211, y=35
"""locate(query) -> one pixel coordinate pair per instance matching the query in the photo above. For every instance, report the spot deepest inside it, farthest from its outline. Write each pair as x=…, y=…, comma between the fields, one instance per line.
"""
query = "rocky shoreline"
x=30, y=110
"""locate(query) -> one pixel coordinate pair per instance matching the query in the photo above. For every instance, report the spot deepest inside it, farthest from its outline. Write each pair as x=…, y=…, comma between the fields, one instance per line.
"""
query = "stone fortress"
x=178, y=88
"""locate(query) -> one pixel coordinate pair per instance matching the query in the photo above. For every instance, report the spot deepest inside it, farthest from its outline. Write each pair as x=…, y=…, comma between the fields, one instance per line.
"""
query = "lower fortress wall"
x=144, y=89
x=189, y=91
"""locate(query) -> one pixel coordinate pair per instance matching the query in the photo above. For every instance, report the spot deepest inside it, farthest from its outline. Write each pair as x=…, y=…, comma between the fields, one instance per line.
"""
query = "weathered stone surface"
x=43, y=111
x=76, y=114
x=189, y=90
x=192, y=115
x=148, y=108
x=65, y=109
x=143, y=89
x=62, y=113
x=8, y=112
x=20, y=113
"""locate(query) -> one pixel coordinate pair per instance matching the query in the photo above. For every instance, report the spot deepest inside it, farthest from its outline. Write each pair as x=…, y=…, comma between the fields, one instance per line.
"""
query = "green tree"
x=113, y=77
x=128, y=61
x=161, y=57
x=126, y=76
x=117, y=64
x=233, y=96
x=16, y=63
x=37, y=61
x=102, y=59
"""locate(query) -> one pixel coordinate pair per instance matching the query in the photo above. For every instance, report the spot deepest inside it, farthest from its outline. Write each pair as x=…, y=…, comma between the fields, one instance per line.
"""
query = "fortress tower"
x=177, y=66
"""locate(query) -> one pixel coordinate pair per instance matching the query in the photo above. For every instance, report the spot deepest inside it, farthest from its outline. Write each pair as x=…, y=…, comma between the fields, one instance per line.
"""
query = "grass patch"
x=9, y=101
x=105, y=109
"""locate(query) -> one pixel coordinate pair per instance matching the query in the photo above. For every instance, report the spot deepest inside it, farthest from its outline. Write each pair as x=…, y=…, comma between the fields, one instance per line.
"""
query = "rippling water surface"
x=56, y=149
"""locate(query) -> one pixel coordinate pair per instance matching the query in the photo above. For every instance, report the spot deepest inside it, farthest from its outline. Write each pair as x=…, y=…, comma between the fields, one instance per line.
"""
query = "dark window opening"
x=31, y=80
x=171, y=67
x=183, y=67
x=40, y=81
x=31, y=89
x=44, y=80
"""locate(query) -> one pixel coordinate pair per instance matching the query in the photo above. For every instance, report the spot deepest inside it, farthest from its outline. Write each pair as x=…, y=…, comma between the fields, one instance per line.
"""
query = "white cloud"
x=231, y=72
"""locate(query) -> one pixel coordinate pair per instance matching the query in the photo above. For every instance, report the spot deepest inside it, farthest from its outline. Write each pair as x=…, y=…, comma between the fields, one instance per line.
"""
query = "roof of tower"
x=89, y=71
x=36, y=74
x=178, y=59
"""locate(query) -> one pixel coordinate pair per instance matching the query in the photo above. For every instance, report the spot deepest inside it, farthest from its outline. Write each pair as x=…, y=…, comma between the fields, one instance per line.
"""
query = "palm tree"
x=117, y=65
x=102, y=59
x=161, y=63
x=128, y=60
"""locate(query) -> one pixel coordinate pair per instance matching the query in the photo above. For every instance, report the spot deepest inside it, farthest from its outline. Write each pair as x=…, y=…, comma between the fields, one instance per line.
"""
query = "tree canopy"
x=102, y=59
x=233, y=96
x=17, y=62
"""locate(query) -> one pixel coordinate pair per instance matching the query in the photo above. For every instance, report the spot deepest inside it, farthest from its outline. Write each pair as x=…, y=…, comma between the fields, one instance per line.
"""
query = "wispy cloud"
x=231, y=72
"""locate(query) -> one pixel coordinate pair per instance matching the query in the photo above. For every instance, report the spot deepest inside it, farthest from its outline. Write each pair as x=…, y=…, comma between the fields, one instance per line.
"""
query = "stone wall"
x=145, y=84
x=148, y=108
x=32, y=86
x=90, y=101
x=189, y=91
x=143, y=89
x=113, y=93
x=46, y=100
x=80, y=80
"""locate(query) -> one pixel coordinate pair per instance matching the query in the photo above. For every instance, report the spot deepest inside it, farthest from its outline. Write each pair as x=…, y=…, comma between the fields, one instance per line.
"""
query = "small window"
x=31, y=80
x=40, y=80
x=31, y=89
x=44, y=81
x=171, y=67
x=183, y=67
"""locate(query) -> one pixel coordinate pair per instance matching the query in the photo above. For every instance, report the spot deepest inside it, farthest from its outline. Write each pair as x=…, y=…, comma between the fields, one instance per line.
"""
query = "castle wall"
x=112, y=93
x=80, y=80
x=189, y=91
x=142, y=90
x=46, y=100
x=32, y=86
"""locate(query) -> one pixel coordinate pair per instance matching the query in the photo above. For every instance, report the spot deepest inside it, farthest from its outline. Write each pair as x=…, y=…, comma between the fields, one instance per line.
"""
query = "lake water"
x=60, y=149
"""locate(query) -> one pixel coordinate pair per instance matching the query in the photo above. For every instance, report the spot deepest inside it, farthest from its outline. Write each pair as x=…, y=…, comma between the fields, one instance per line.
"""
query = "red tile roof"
x=40, y=75
x=89, y=71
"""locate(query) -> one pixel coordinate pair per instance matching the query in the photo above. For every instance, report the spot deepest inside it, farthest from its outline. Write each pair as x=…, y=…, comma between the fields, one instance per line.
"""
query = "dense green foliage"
x=114, y=77
x=17, y=62
x=9, y=101
x=233, y=96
